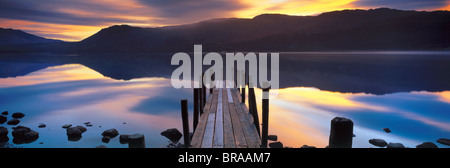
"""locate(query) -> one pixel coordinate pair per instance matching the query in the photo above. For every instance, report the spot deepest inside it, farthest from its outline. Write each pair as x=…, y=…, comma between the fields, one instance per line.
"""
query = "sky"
x=74, y=20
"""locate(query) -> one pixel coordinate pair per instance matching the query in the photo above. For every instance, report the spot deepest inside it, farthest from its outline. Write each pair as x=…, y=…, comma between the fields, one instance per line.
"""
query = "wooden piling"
x=341, y=133
x=253, y=108
x=265, y=118
x=243, y=89
x=196, y=107
x=203, y=91
x=185, y=118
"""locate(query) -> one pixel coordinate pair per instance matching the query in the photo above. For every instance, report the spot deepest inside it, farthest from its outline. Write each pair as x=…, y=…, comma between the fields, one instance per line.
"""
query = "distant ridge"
x=375, y=29
x=12, y=36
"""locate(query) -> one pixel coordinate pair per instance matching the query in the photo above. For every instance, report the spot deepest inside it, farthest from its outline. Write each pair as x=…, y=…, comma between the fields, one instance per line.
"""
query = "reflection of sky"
x=302, y=116
x=74, y=94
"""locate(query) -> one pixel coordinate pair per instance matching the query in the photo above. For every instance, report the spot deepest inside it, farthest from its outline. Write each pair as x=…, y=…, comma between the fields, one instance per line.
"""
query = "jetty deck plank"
x=225, y=123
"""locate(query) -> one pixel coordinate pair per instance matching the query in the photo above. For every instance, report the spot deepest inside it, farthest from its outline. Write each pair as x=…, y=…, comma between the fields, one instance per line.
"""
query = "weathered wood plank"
x=197, y=138
x=229, y=141
x=237, y=129
x=218, y=129
x=250, y=135
x=209, y=129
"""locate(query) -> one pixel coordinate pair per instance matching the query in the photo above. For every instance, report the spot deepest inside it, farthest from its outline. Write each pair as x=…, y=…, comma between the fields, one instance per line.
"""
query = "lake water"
x=406, y=92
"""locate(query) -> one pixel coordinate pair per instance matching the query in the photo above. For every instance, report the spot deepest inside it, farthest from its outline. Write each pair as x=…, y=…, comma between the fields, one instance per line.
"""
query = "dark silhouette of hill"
x=11, y=36
x=377, y=29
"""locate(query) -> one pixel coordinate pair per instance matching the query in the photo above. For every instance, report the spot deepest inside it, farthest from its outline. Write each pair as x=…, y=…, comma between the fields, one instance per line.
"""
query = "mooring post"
x=200, y=96
x=243, y=89
x=253, y=108
x=203, y=91
x=341, y=133
x=265, y=117
x=196, y=107
x=185, y=118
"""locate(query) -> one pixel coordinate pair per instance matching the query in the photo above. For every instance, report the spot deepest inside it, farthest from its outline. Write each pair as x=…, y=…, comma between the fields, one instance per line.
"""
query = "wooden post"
x=200, y=97
x=243, y=89
x=341, y=133
x=203, y=91
x=185, y=118
x=265, y=118
x=196, y=107
x=253, y=108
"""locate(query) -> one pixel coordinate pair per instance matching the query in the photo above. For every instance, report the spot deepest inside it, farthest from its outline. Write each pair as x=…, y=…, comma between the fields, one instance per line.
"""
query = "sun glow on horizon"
x=77, y=20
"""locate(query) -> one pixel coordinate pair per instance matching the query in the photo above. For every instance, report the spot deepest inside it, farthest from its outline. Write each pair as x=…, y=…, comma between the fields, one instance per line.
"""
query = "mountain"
x=375, y=29
x=11, y=36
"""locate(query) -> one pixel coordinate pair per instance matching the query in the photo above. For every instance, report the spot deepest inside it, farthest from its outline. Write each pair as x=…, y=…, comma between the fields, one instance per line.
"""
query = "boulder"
x=74, y=133
x=18, y=115
x=111, y=133
x=106, y=139
x=395, y=145
x=123, y=139
x=444, y=141
x=276, y=145
x=3, y=119
x=13, y=121
x=24, y=134
x=172, y=134
x=378, y=142
x=5, y=113
x=67, y=126
x=3, y=131
x=42, y=125
x=387, y=130
x=306, y=146
x=272, y=137
x=101, y=146
x=136, y=141
x=427, y=145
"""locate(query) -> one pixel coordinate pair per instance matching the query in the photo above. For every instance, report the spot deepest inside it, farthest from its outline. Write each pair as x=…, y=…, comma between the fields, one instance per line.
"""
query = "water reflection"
x=74, y=94
x=302, y=116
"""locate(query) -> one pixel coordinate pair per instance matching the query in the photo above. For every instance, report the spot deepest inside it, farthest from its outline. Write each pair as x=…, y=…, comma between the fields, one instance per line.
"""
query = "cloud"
x=403, y=4
x=61, y=12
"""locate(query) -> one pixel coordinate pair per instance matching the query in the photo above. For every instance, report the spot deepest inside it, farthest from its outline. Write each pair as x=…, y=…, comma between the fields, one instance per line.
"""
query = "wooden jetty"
x=225, y=121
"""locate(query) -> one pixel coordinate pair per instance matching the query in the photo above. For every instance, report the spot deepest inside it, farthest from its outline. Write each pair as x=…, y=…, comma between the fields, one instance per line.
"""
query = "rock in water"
x=387, y=130
x=101, y=146
x=3, y=132
x=18, y=115
x=172, y=134
x=341, y=133
x=123, y=139
x=23, y=134
x=276, y=145
x=307, y=146
x=395, y=145
x=106, y=139
x=67, y=126
x=272, y=137
x=444, y=141
x=75, y=133
x=378, y=142
x=3, y=119
x=5, y=113
x=427, y=145
x=13, y=121
x=136, y=141
x=41, y=125
x=111, y=133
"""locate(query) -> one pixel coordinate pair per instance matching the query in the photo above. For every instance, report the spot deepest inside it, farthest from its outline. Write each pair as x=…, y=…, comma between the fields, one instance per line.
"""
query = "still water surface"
x=74, y=94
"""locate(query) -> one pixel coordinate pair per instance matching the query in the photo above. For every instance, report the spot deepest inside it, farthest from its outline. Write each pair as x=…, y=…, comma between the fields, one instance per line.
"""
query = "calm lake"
x=408, y=92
